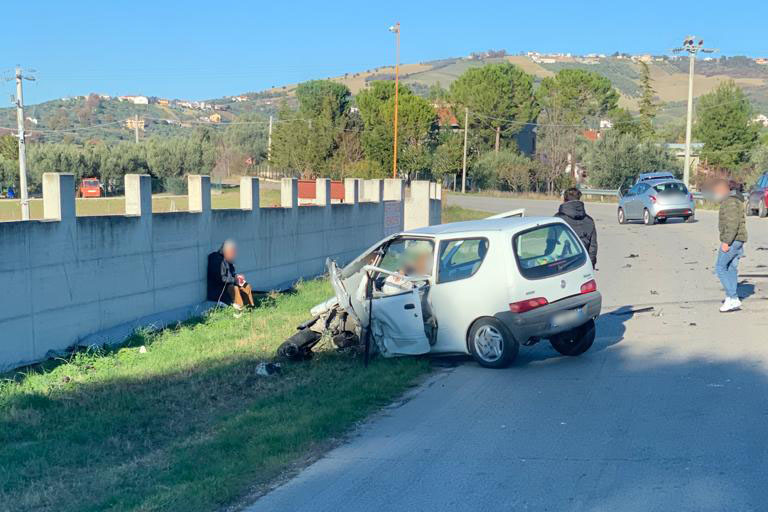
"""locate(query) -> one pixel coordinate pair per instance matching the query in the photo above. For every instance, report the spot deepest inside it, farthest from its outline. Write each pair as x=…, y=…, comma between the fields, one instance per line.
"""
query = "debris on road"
x=654, y=292
x=632, y=255
x=627, y=266
x=632, y=311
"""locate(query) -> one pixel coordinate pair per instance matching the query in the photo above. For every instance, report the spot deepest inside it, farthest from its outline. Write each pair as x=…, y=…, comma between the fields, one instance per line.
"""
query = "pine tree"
x=647, y=104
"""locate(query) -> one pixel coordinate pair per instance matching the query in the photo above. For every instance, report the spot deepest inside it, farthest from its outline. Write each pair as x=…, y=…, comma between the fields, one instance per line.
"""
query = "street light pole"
x=396, y=29
x=690, y=46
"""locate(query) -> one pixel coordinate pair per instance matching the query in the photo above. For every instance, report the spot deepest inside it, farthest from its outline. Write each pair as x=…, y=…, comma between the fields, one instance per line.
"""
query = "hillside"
x=92, y=116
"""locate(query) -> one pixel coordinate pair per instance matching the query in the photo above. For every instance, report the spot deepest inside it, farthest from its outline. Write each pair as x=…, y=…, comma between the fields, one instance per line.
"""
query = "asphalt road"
x=667, y=411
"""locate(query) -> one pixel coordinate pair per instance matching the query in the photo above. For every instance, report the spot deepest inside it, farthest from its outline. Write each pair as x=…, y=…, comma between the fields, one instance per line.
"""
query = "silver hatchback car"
x=653, y=201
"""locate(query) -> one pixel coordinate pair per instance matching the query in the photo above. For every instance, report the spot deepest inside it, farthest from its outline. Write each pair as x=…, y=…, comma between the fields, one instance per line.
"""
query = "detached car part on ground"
x=480, y=287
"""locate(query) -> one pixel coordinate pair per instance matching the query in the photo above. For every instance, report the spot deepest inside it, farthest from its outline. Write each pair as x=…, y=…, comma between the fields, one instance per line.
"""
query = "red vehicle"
x=90, y=187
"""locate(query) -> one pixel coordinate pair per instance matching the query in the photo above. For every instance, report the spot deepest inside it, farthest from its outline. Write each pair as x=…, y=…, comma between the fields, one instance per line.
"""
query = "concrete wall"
x=70, y=280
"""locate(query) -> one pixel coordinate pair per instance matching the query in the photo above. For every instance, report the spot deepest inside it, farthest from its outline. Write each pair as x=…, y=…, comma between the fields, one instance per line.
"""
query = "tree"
x=448, y=156
x=615, y=158
x=316, y=96
x=417, y=125
x=647, y=104
x=724, y=124
x=500, y=98
x=506, y=169
x=571, y=101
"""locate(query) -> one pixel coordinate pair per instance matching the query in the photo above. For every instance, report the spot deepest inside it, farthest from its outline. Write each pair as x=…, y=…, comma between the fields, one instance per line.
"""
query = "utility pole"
x=22, y=143
x=464, y=164
x=396, y=30
x=690, y=46
x=136, y=127
x=269, y=144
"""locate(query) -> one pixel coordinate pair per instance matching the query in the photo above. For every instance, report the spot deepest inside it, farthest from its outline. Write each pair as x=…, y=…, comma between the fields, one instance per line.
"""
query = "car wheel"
x=299, y=346
x=762, y=211
x=576, y=341
x=491, y=344
x=690, y=218
x=661, y=221
x=622, y=219
x=648, y=219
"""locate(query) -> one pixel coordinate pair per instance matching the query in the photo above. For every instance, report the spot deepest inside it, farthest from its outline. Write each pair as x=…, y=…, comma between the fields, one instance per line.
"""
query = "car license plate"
x=566, y=318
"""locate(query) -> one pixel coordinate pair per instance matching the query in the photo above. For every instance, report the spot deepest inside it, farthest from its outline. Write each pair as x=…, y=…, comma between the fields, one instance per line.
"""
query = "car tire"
x=299, y=346
x=491, y=344
x=648, y=219
x=620, y=215
x=661, y=221
x=762, y=211
x=690, y=218
x=576, y=341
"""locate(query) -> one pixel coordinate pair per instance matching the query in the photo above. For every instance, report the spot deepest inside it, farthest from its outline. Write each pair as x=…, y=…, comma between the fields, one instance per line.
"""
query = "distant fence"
x=71, y=280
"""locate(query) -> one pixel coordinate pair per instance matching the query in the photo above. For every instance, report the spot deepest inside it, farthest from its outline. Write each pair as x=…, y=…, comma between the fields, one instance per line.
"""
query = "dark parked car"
x=757, y=198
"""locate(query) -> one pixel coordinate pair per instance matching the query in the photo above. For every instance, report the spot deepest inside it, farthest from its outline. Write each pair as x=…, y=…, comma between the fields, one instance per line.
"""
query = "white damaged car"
x=481, y=287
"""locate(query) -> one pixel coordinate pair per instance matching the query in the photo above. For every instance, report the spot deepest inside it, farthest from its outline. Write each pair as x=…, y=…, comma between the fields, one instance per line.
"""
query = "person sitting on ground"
x=733, y=235
x=224, y=284
x=572, y=211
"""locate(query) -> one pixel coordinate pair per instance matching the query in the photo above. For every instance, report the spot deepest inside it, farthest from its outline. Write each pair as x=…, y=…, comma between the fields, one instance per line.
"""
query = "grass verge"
x=458, y=214
x=186, y=424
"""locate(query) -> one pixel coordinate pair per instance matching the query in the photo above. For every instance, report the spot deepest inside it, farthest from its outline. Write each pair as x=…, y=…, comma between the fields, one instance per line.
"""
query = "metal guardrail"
x=604, y=192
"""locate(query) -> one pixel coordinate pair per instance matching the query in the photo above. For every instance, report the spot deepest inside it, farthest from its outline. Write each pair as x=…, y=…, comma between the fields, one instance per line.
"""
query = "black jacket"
x=574, y=214
x=220, y=274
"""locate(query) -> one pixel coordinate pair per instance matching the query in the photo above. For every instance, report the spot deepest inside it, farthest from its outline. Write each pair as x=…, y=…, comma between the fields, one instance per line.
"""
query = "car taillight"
x=652, y=198
x=527, y=305
x=589, y=287
x=765, y=197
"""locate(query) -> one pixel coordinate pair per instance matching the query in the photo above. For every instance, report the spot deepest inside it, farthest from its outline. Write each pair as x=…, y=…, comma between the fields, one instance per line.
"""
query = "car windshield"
x=547, y=251
x=673, y=187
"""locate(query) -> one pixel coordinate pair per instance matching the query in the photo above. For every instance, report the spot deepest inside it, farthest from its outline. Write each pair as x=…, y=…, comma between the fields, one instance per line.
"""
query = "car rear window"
x=91, y=183
x=548, y=250
x=670, y=188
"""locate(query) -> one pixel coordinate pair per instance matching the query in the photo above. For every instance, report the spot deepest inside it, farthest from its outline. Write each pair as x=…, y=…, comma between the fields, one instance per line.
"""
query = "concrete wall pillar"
x=322, y=192
x=58, y=196
x=249, y=193
x=417, y=206
x=138, y=195
x=199, y=192
x=289, y=193
x=394, y=189
x=374, y=190
x=351, y=190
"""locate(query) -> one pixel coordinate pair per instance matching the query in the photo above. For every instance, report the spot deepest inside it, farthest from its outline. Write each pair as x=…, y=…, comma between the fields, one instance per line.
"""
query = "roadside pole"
x=464, y=163
x=22, y=146
x=269, y=145
x=136, y=127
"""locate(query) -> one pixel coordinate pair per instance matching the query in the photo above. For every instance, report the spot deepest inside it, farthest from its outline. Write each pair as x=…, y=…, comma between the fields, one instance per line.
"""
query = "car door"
x=465, y=289
x=630, y=204
x=401, y=289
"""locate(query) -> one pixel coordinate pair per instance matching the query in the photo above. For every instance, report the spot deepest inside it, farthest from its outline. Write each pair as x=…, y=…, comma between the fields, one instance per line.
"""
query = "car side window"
x=763, y=181
x=642, y=187
x=634, y=190
x=461, y=259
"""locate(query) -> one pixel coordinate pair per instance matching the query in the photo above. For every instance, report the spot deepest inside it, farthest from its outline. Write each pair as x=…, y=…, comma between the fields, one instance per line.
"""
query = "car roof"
x=511, y=224
x=659, y=181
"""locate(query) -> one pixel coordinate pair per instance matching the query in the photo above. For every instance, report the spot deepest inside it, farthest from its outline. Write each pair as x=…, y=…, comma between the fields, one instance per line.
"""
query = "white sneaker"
x=730, y=305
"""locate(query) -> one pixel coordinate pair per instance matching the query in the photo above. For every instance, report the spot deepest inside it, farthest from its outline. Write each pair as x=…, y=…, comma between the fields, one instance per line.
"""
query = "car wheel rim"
x=646, y=217
x=489, y=343
x=621, y=215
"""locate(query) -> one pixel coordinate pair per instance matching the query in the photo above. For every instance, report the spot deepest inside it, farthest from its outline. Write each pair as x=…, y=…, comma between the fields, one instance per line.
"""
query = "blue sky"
x=200, y=50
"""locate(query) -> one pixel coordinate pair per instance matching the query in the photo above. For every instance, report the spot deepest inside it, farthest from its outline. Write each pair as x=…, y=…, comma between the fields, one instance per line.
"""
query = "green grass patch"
x=186, y=425
x=458, y=214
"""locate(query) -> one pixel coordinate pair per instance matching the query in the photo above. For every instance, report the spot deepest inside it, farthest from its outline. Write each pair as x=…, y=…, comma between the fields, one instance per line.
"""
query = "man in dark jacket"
x=224, y=284
x=572, y=211
x=733, y=235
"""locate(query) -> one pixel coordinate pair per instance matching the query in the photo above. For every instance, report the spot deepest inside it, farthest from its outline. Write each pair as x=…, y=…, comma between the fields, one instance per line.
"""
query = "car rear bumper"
x=663, y=211
x=539, y=322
